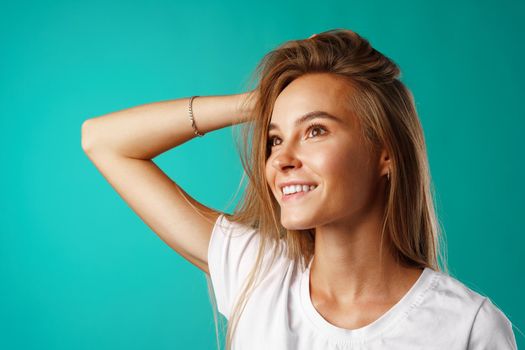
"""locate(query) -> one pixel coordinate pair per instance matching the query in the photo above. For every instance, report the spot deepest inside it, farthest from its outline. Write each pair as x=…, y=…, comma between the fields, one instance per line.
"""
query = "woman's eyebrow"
x=309, y=116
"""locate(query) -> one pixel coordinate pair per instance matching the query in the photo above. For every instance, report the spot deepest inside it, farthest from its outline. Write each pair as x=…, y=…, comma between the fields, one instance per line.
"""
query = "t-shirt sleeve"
x=491, y=329
x=232, y=252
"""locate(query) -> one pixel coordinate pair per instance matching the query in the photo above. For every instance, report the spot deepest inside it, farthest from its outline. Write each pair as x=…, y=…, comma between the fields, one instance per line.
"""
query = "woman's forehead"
x=319, y=95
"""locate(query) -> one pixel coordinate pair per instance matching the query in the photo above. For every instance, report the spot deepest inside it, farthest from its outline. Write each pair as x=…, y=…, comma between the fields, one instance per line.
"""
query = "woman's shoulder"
x=232, y=253
x=450, y=286
x=456, y=292
x=245, y=234
x=233, y=228
x=488, y=324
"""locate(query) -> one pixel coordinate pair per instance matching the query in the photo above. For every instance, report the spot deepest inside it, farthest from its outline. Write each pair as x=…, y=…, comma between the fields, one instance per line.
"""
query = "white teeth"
x=297, y=188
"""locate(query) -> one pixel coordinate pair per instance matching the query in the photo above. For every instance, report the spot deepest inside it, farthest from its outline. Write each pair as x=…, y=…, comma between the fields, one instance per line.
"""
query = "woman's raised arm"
x=122, y=145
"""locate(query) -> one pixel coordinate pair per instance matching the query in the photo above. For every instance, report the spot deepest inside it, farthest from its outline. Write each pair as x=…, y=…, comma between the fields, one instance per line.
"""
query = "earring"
x=388, y=174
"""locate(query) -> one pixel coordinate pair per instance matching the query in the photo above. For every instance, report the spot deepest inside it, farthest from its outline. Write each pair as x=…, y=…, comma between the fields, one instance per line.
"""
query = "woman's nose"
x=286, y=159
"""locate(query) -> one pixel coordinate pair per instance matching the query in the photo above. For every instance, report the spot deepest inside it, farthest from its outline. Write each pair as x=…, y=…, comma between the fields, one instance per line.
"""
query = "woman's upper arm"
x=180, y=221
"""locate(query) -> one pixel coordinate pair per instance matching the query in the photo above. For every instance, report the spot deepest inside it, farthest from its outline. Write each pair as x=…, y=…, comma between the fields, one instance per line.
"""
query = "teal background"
x=80, y=270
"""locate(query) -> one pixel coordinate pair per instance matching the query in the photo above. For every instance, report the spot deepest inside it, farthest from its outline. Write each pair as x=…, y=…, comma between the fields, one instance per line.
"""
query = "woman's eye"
x=310, y=128
x=271, y=139
x=316, y=127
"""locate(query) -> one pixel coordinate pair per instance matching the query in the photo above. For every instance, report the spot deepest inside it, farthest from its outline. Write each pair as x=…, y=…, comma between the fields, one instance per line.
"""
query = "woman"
x=335, y=243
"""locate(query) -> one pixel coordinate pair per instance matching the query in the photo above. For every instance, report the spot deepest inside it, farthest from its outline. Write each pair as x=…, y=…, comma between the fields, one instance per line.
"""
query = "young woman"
x=335, y=243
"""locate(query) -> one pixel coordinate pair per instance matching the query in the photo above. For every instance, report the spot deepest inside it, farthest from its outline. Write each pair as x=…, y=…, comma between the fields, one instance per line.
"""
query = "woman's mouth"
x=297, y=195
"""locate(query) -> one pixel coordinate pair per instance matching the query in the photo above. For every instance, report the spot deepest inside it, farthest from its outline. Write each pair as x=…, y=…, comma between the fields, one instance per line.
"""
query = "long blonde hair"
x=387, y=113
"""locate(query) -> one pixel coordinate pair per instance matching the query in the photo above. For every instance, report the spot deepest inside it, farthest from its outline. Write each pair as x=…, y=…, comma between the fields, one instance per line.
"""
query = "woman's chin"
x=298, y=224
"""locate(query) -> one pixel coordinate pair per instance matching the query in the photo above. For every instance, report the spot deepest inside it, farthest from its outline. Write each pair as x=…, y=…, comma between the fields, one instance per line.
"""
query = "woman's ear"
x=385, y=164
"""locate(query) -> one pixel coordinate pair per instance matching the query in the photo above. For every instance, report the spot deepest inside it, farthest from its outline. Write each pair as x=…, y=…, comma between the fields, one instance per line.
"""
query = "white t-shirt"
x=438, y=312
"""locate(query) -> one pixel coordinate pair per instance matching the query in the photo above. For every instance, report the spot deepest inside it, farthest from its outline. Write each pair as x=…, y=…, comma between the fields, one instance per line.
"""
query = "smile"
x=297, y=195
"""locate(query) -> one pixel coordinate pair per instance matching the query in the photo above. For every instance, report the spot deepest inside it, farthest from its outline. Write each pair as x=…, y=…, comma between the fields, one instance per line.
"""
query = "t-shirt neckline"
x=391, y=317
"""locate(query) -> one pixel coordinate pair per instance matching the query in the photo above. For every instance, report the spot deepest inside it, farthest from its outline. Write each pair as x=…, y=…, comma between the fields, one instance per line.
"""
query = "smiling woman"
x=335, y=243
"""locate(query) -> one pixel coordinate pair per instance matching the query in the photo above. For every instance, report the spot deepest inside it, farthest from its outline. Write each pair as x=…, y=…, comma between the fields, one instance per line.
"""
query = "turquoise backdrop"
x=80, y=270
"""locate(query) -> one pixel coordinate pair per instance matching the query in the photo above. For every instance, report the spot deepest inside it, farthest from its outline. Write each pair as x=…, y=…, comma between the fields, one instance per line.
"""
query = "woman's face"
x=325, y=152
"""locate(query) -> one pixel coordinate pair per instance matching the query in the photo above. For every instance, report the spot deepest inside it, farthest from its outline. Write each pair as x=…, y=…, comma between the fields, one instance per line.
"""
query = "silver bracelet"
x=195, y=130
